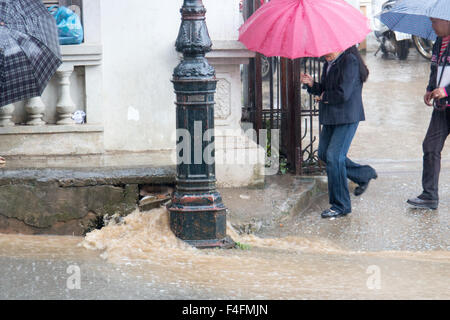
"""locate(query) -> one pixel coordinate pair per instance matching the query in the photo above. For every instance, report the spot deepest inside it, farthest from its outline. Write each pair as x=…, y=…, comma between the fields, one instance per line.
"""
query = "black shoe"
x=424, y=204
x=361, y=188
x=331, y=213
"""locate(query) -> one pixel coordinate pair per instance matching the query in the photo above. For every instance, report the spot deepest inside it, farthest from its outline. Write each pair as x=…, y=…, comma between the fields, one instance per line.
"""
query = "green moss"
x=243, y=246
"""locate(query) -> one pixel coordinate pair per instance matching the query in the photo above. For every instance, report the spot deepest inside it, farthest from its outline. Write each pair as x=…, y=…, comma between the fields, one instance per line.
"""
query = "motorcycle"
x=394, y=42
x=391, y=42
x=423, y=46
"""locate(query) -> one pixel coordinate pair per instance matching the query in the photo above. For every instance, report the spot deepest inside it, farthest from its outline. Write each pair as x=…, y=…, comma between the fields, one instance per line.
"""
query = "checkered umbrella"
x=29, y=49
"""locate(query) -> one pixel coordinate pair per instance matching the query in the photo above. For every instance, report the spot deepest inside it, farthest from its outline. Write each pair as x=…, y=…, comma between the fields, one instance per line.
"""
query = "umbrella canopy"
x=413, y=16
x=29, y=49
x=303, y=28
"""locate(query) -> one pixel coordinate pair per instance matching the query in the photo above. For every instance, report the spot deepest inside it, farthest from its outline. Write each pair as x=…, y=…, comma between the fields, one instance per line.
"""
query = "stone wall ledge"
x=229, y=52
x=85, y=54
x=50, y=129
x=83, y=177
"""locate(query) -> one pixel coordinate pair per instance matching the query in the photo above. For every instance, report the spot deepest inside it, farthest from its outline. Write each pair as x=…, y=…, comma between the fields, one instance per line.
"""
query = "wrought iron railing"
x=275, y=99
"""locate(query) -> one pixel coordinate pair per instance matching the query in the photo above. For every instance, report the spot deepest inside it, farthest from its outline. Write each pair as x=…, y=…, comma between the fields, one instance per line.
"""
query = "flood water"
x=273, y=268
x=143, y=255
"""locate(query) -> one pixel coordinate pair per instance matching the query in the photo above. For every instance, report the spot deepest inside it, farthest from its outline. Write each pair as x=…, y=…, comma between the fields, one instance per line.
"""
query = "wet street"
x=383, y=250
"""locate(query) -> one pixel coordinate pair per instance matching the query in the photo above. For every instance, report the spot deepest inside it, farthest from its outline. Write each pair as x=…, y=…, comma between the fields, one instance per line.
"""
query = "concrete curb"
x=317, y=188
x=252, y=210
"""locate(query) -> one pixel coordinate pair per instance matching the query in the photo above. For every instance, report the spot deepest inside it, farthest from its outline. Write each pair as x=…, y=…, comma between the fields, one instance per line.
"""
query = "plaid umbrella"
x=29, y=49
x=413, y=16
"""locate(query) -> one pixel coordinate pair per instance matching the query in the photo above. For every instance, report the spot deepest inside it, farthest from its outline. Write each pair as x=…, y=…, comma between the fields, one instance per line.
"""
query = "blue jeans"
x=335, y=141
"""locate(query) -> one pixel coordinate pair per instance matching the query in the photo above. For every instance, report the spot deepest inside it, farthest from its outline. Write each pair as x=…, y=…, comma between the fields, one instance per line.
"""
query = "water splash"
x=141, y=235
x=144, y=235
x=274, y=268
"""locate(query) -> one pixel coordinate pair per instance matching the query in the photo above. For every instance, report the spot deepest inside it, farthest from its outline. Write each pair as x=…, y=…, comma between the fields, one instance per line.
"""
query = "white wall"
x=138, y=60
x=354, y=3
x=223, y=19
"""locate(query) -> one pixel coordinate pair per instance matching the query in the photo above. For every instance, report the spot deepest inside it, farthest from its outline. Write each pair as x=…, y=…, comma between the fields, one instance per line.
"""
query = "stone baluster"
x=65, y=105
x=6, y=113
x=35, y=109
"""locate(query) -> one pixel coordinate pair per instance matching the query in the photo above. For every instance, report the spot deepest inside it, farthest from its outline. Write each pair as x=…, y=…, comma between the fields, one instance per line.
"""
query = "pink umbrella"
x=303, y=28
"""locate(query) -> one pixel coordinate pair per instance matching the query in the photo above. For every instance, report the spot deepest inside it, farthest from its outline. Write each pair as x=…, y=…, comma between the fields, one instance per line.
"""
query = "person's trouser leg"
x=355, y=172
x=336, y=157
x=359, y=173
x=433, y=144
x=324, y=141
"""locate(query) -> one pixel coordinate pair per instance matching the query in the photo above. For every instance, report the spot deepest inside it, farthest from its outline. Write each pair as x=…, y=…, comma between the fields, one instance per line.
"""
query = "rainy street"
x=383, y=250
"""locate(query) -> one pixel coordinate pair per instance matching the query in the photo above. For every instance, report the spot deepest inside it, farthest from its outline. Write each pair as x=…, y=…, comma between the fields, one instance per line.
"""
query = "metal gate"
x=275, y=99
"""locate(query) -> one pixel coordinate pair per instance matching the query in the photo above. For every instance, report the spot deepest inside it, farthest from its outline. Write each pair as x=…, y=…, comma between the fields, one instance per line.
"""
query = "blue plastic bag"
x=69, y=25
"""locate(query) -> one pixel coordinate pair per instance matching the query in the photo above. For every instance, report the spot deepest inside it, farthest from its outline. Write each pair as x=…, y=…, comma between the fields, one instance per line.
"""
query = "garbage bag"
x=79, y=117
x=70, y=30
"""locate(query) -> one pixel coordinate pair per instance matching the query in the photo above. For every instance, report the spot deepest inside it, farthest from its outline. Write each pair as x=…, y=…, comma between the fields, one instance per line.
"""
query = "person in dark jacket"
x=340, y=111
x=439, y=128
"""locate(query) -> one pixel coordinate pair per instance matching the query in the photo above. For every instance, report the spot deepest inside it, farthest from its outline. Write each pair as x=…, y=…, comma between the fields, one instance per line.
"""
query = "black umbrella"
x=29, y=49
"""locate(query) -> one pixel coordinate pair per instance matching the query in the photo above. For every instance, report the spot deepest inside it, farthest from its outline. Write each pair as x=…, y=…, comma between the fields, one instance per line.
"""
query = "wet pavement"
x=380, y=219
x=383, y=250
x=397, y=118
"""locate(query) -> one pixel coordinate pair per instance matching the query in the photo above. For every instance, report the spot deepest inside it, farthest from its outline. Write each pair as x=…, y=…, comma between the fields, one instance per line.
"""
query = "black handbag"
x=441, y=104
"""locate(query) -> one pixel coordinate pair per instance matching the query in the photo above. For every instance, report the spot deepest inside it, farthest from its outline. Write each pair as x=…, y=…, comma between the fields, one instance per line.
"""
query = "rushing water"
x=144, y=248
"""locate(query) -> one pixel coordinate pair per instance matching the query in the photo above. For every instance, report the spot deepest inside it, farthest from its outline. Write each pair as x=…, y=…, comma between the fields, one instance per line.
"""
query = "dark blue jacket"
x=342, y=100
x=434, y=66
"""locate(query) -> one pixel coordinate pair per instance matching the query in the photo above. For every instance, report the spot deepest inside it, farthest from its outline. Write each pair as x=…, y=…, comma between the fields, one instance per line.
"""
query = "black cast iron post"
x=197, y=213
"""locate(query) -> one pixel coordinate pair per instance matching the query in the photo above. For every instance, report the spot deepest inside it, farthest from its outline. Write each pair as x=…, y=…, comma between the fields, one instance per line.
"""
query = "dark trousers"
x=335, y=141
x=432, y=145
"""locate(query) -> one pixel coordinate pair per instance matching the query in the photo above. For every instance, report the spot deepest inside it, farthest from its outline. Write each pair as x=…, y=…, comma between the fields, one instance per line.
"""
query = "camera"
x=441, y=104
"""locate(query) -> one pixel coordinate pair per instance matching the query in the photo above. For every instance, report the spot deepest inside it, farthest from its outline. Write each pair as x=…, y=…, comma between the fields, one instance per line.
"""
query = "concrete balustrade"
x=6, y=114
x=35, y=109
x=65, y=107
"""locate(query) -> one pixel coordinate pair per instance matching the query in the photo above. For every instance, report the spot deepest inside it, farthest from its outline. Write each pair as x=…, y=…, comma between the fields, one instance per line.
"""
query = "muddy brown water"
x=287, y=267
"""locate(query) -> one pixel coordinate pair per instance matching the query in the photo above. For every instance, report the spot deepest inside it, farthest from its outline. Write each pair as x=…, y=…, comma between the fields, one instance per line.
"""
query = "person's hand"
x=317, y=98
x=438, y=93
x=306, y=79
x=427, y=98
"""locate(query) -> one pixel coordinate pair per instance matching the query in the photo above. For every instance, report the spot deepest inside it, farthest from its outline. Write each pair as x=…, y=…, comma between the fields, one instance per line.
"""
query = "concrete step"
x=250, y=210
x=51, y=140
x=70, y=195
x=66, y=195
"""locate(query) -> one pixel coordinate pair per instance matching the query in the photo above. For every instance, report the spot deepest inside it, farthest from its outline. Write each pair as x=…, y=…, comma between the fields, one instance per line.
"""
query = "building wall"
x=354, y=3
x=138, y=39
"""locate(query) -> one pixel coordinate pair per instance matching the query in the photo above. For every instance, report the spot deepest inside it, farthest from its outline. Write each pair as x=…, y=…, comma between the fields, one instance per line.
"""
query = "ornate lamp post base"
x=200, y=219
x=225, y=243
